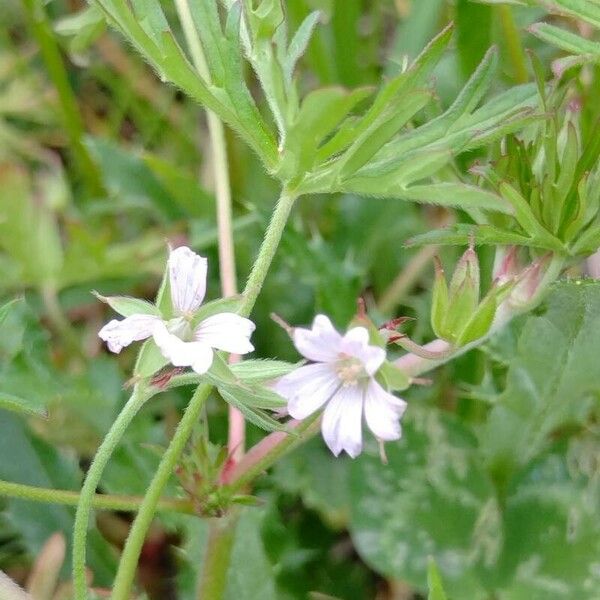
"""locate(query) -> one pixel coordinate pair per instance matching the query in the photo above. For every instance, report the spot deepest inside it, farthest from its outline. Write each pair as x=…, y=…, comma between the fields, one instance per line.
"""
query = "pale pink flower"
x=342, y=378
x=181, y=343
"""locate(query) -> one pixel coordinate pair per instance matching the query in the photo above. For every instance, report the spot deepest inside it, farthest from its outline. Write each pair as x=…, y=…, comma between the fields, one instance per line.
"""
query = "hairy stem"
x=267, y=251
x=137, y=534
x=213, y=579
x=103, y=454
x=269, y=450
x=71, y=117
x=99, y=501
x=133, y=546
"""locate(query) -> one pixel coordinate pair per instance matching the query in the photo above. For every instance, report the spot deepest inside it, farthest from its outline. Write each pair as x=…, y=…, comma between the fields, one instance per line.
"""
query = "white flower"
x=183, y=345
x=343, y=377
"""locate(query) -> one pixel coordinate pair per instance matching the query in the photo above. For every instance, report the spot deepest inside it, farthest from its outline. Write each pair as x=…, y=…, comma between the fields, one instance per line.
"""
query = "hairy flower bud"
x=457, y=315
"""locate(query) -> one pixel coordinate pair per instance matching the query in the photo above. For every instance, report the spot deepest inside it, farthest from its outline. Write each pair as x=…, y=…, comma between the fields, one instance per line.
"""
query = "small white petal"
x=197, y=355
x=118, y=334
x=187, y=276
x=320, y=343
x=307, y=388
x=383, y=412
x=342, y=421
x=226, y=331
x=356, y=343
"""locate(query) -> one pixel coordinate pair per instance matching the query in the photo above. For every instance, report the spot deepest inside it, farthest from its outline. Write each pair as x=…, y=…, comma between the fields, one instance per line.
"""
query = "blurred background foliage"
x=497, y=475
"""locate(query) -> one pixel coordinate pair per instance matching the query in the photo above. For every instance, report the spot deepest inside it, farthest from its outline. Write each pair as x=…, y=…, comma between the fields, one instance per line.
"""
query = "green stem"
x=73, y=123
x=267, y=251
x=103, y=454
x=513, y=44
x=99, y=501
x=137, y=534
x=213, y=581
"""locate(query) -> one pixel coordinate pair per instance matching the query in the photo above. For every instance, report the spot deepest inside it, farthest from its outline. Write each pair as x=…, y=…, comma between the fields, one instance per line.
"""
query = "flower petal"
x=307, y=388
x=197, y=355
x=187, y=276
x=320, y=343
x=226, y=331
x=118, y=334
x=383, y=412
x=342, y=421
x=356, y=343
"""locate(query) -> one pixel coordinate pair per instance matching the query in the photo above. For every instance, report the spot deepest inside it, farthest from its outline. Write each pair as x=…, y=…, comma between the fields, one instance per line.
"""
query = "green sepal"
x=149, y=360
x=375, y=337
x=230, y=304
x=127, y=306
x=395, y=379
x=163, y=297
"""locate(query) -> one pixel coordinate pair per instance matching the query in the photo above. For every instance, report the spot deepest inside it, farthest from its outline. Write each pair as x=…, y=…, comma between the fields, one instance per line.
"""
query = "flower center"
x=181, y=328
x=349, y=369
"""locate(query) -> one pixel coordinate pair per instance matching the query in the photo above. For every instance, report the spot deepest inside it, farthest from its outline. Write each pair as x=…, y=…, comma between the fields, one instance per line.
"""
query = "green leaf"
x=127, y=306
x=551, y=508
x=243, y=400
x=454, y=194
x=388, y=113
x=320, y=113
x=431, y=500
x=552, y=381
x=299, y=43
x=462, y=233
x=261, y=369
x=380, y=132
x=21, y=405
x=319, y=478
x=527, y=219
x=586, y=10
x=434, y=582
x=565, y=40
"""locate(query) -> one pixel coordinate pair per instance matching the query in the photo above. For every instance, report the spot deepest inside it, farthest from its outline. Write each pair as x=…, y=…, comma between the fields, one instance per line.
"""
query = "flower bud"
x=463, y=295
x=456, y=313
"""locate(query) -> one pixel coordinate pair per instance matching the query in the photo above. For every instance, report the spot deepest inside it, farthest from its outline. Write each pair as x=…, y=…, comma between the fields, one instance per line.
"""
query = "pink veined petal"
x=118, y=334
x=197, y=355
x=342, y=421
x=307, y=388
x=356, y=343
x=320, y=343
x=187, y=277
x=226, y=331
x=383, y=412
